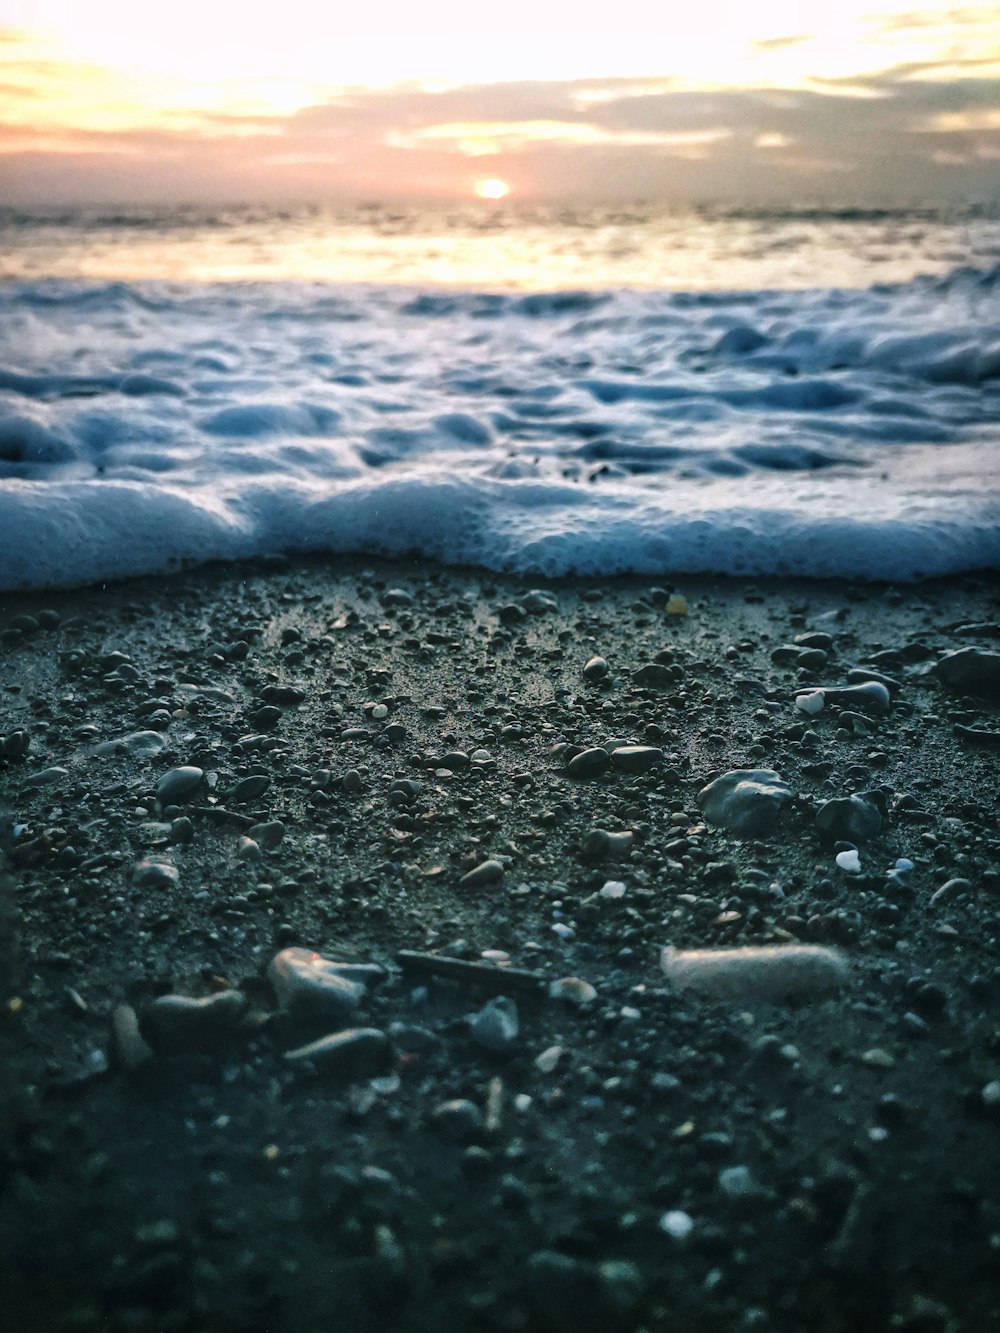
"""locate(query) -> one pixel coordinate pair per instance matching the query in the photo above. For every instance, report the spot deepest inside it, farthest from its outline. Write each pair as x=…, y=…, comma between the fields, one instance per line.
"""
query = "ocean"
x=546, y=391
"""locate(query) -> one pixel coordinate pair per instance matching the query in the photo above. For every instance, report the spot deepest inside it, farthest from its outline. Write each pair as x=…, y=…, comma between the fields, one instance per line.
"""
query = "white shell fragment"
x=756, y=972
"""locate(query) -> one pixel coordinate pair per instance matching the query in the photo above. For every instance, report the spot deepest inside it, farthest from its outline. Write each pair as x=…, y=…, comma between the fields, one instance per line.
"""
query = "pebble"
x=16, y=744
x=747, y=801
x=656, y=676
x=596, y=669
x=849, y=861
x=495, y=1027
x=601, y=845
x=47, y=777
x=761, y=972
x=635, y=758
x=677, y=1223
x=352, y=782
x=148, y=874
x=458, y=1121
x=971, y=670
x=130, y=1047
x=574, y=991
x=856, y=818
x=353, y=1054
x=482, y=875
x=179, y=1023
x=178, y=784
x=247, y=849
x=810, y=703
x=249, y=789
x=871, y=697
x=950, y=887
x=577, y=1295
x=144, y=744
x=267, y=835
x=612, y=889
x=588, y=763
x=308, y=984
x=548, y=1060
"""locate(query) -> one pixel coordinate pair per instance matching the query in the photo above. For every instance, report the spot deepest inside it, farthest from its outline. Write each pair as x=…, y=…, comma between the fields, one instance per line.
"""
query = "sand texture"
x=469, y=1096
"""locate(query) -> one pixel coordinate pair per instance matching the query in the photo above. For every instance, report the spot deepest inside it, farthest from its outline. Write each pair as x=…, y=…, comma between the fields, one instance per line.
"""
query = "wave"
x=826, y=431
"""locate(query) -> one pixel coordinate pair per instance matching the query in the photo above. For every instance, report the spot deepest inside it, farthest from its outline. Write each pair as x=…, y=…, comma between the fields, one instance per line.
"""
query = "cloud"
x=899, y=135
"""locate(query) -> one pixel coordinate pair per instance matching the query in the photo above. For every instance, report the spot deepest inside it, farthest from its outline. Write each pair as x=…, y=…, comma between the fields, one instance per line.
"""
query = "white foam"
x=820, y=433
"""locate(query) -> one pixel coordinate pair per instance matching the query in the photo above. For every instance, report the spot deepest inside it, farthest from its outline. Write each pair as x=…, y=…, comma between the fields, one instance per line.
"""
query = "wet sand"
x=647, y=1159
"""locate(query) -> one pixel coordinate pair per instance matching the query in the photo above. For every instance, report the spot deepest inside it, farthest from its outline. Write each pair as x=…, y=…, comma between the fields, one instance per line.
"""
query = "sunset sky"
x=860, y=100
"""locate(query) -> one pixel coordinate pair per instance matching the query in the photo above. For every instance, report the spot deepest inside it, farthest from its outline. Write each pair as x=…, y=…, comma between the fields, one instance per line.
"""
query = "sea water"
x=542, y=391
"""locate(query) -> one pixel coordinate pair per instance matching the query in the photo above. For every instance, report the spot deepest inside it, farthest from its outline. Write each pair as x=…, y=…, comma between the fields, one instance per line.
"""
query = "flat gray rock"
x=747, y=801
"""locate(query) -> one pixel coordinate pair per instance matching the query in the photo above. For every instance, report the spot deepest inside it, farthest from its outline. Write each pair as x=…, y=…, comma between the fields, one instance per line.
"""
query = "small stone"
x=762, y=972
x=352, y=782
x=47, y=777
x=878, y=1059
x=571, y=1295
x=148, y=874
x=655, y=676
x=249, y=789
x=747, y=801
x=677, y=604
x=131, y=1050
x=458, y=1121
x=354, y=1054
x=588, y=763
x=949, y=888
x=849, y=861
x=612, y=890
x=856, y=818
x=870, y=697
x=635, y=758
x=495, y=1027
x=737, y=1182
x=305, y=983
x=811, y=703
x=574, y=991
x=549, y=1059
x=175, y=1024
x=990, y=1095
x=971, y=670
x=178, y=784
x=596, y=669
x=267, y=835
x=601, y=845
x=677, y=1223
x=482, y=875
x=247, y=849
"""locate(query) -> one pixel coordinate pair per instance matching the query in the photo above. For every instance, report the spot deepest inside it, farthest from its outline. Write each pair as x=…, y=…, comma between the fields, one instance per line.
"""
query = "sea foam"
x=816, y=432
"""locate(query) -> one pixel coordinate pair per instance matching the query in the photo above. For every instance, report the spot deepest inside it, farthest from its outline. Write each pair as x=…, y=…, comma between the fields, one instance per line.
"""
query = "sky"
x=862, y=101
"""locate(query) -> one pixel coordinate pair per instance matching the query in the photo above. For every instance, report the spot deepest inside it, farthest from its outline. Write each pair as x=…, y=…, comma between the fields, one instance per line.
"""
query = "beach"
x=485, y=793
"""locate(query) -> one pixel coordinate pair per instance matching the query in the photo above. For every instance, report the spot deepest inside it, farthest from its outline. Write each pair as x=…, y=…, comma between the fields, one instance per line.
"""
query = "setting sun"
x=492, y=189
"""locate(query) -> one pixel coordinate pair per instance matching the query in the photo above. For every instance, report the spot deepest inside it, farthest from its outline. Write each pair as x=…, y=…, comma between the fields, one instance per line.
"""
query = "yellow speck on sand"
x=677, y=605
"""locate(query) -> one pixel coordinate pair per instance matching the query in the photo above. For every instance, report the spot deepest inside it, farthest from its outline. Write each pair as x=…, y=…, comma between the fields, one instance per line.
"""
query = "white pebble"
x=810, y=703
x=849, y=861
x=613, y=889
x=549, y=1058
x=677, y=1223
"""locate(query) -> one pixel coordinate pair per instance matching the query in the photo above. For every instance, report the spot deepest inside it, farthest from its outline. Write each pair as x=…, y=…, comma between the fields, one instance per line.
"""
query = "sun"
x=492, y=189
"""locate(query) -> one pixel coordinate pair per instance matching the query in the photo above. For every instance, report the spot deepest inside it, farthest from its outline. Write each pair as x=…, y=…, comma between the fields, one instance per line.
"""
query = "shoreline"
x=835, y=1158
